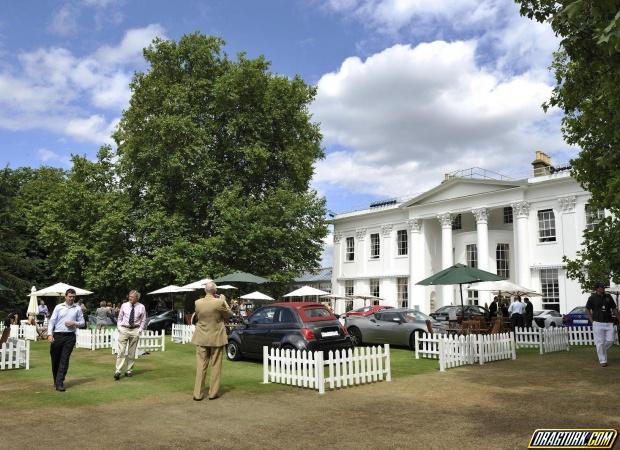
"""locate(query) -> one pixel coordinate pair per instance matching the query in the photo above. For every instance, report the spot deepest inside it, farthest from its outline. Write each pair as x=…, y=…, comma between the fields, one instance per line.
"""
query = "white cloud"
x=410, y=114
x=50, y=156
x=64, y=20
x=55, y=90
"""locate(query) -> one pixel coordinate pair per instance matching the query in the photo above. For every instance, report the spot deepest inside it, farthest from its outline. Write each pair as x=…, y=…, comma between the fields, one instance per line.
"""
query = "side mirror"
x=373, y=320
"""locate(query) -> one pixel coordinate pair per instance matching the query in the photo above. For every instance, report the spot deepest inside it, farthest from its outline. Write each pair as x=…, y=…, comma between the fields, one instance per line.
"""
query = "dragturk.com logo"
x=573, y=438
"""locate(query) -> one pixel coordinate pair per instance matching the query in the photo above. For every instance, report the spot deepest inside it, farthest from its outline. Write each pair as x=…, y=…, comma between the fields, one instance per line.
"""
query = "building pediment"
x=462, y=187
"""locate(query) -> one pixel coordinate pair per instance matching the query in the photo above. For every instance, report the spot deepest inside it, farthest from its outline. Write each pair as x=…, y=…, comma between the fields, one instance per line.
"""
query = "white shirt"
x=516, y=308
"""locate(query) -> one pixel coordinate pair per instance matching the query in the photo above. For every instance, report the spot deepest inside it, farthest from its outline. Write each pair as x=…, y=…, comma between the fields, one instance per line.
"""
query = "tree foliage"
x=587, y=71
x=211, y=174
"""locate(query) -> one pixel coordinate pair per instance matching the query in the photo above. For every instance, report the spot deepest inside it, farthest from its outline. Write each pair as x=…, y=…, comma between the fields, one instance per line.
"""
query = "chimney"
x=541, y=164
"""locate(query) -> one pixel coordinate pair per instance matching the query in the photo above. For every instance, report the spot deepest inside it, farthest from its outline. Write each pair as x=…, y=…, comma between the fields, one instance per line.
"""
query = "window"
x=401, y=242
x=284, y=315
x=593, y=217
x=502, y=260
x=388, y=317
x=471, y=255
x=350, y=256
x=375, y=248
x=472, y=297
x=456, y=222
x=546, y=225
x=550, y=288
x=348, y=287
x=402, y=291
x=507, y=214
x=374, y=287
x=263, y=316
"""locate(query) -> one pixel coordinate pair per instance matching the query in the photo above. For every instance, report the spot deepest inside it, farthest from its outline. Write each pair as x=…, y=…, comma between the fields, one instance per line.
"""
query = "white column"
x=360, y=236
x=417, y=258
x=482, y=247
x=337, y=270
x=447, y=258
x=386, y=248
x=521, y=214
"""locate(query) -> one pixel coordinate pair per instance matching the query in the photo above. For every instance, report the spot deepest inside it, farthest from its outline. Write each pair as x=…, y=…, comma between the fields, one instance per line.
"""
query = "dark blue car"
x=578, y=317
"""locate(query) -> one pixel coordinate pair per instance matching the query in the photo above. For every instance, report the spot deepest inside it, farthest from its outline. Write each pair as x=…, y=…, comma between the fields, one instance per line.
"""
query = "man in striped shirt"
x=130, y=322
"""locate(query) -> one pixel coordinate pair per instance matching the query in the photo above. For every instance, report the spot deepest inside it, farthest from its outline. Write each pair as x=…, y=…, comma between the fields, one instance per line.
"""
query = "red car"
x=365, y=311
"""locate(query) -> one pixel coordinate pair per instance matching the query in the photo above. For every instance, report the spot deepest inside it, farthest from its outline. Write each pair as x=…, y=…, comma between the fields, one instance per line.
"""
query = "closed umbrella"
x=459, y=274
x=33, y=305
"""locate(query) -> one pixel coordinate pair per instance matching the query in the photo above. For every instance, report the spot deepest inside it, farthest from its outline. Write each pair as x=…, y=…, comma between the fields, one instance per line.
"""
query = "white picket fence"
x=344, y=367
x=457, y=351
x=149, y=341
x=15, y=354
x=28, y=332
x=94, y=339
x=182, y=334
x=427, y=345
x=556, y=339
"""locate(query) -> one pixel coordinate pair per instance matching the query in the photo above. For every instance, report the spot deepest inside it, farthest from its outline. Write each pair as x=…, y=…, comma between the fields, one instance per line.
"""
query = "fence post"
x=27, y=355
x=163, y=340
x=318, y=374
x=514, y=347
x=388, y=365
x=265, y=364
x=442, y=356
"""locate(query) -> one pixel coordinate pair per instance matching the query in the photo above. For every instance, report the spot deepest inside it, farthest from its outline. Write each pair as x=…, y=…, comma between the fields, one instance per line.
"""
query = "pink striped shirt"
x=139, y=315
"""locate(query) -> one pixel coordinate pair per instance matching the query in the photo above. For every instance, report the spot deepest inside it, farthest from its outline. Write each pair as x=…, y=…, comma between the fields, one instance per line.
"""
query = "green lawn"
x=89, y=380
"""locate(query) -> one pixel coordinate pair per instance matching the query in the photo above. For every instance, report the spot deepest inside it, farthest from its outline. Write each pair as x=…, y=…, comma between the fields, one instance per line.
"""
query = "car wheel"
x=356, y=335
x=233, y=352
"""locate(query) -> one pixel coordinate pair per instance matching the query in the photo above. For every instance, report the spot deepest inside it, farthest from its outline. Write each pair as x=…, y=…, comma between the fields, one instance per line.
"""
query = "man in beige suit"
x=210, y=340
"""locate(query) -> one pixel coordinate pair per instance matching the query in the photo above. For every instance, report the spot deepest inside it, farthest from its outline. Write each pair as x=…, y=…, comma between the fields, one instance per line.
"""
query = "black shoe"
x=117, y=376
x=60, y=387
x=214, y=398
x=197, y=399
x=129, y=374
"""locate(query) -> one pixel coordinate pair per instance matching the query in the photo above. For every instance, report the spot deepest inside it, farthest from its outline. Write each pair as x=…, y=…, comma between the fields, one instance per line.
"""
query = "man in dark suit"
x=210, y=340
x=529, y=313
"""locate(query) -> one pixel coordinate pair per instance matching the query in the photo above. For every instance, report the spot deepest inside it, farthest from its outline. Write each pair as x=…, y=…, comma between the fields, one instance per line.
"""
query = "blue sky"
x=407, y=89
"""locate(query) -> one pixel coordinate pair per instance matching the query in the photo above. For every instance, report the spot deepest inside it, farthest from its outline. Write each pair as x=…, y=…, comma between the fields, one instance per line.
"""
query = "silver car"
x=548, y=318
x=398, y=326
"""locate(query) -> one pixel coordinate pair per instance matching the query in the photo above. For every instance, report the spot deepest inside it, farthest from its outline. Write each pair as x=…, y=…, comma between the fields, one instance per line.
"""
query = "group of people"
x=521, y=314
x=210, y=337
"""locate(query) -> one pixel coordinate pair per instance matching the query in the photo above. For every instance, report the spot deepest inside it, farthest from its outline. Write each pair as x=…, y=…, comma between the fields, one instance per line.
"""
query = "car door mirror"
x=373, y=320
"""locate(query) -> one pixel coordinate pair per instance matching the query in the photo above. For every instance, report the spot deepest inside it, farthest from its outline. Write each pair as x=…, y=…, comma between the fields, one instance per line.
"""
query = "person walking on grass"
x=66, y=318
x=210, y=340
x=131, y=321
x=599, y=307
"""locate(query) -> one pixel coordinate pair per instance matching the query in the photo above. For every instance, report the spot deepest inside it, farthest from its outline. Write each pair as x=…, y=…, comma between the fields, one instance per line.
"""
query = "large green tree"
x=216, y=156
x=587, y=71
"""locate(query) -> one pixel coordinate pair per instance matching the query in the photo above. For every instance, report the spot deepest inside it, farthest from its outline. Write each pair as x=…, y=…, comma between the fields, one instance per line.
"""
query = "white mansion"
x=519, y=229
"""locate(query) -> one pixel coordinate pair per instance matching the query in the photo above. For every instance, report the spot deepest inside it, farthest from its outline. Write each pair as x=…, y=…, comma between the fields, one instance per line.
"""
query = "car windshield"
x=414, y=316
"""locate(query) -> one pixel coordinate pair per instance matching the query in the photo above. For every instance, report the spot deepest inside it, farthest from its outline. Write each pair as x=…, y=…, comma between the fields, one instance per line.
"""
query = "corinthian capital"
x=414, y=225
x=386, y=230
x=521, y=209
x=360, y=234
x=445, y=220
x=481, y=214
x=567, y=204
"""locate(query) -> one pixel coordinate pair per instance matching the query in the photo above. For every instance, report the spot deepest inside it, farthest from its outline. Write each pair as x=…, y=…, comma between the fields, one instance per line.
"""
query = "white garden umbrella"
x=306, y=291
x=171, y=289
x=58, y=290
x=503, y=286
x=33, y=305
x=256, y=295
x=200, y=284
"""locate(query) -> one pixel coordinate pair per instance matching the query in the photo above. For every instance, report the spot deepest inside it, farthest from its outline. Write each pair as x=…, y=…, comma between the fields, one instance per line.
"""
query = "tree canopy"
x=211, y=173
x=587, y=72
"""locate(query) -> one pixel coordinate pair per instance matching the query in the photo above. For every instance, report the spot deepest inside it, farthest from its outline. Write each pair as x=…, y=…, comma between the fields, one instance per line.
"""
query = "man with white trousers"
x=599, y=307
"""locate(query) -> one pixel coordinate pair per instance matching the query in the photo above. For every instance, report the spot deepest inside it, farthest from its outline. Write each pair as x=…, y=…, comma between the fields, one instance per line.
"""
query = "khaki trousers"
x=127, y=346
x=206, y=356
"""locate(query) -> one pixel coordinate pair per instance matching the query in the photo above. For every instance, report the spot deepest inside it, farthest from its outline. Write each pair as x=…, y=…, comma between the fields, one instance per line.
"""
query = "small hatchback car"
x=295, y=326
